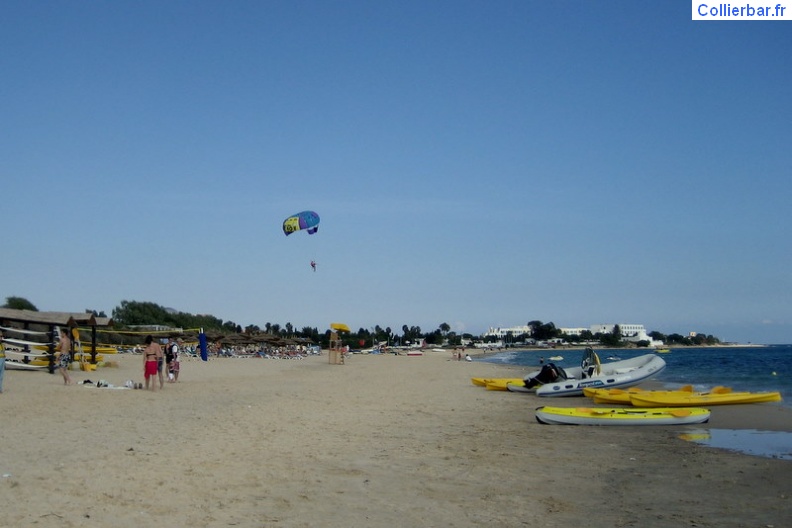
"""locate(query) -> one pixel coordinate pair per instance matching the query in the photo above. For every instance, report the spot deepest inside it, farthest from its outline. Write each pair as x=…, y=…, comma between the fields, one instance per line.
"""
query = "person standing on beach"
x=170, y=352
x=152, y=361
x=172, y=359
x=63, y=356
x=2, y=362
x=160, y=364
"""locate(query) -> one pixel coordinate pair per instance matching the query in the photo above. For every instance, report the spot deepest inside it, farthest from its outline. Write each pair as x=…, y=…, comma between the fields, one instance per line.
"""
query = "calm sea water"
x=767, y=368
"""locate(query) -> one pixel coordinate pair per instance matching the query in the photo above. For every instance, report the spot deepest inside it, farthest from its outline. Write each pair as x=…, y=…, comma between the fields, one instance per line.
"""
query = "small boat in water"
x=553, y=381
x=628, y=416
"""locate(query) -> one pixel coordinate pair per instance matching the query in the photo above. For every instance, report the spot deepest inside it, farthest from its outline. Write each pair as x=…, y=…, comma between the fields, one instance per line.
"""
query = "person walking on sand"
x=152, y=358
x=63, y=357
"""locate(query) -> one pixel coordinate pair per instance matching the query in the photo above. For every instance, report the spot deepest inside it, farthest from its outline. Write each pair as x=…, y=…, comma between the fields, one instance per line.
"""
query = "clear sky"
x=474, y=163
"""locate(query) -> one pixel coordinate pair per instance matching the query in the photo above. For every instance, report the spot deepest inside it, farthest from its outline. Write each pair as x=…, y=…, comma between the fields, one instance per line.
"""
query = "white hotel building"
x=629, y=332
x=501, y=333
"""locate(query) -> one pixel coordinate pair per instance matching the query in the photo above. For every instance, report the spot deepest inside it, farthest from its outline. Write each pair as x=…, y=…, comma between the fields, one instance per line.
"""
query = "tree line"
x=136, y=313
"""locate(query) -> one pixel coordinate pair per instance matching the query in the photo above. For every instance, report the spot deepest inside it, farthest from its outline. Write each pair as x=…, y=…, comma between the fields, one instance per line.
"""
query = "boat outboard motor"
x=590, y=363
x=549, y=374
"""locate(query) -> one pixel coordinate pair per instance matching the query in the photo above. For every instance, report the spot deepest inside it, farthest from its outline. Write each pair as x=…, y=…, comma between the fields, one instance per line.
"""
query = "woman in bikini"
x=152, y=354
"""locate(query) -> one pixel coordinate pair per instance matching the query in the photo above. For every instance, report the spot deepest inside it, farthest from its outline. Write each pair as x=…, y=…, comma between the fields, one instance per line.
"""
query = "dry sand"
x=381, y=441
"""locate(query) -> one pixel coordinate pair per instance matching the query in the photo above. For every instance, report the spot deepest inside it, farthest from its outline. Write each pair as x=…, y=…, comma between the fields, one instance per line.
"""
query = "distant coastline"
x=478, y=352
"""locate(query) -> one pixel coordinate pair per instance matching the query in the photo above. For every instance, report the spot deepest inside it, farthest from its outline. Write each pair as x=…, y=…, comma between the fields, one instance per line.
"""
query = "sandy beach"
x=381, y=441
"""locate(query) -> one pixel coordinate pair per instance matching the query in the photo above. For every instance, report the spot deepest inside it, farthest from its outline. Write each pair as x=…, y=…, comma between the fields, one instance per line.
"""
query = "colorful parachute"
x=307, y=220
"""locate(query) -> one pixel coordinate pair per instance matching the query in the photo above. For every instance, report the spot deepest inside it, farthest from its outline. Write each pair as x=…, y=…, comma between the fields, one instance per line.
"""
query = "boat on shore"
x=500, y=384
x=686, y=399
x=620, y=416
x=554, y=381
x=622, y=396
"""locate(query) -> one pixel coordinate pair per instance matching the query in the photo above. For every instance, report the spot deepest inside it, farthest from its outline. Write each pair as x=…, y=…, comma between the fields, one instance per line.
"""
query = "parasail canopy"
x=341, y=327
x=304, y=221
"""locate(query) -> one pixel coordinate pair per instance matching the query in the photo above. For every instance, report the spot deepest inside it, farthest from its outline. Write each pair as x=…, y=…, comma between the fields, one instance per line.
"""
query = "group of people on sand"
x=459, y=355
x=154, y=359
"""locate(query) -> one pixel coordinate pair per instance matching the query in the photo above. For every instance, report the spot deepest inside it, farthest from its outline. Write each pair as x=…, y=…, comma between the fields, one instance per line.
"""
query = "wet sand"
x=381, y=441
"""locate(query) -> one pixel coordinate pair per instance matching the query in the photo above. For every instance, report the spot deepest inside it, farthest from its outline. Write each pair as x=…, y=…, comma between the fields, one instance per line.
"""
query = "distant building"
x=572, y=331
x=627, y=330
x=630, y=332
x=496, y=344
x=501, y=333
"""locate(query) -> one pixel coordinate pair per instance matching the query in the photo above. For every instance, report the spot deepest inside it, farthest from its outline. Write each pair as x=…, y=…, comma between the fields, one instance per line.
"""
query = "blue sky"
x=475, y=163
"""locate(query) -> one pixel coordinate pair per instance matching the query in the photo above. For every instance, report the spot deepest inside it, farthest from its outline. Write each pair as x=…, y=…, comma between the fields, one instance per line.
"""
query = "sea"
x=749, y=368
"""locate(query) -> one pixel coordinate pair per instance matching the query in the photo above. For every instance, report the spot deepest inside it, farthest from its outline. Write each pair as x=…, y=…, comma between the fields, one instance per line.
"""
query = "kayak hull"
x=620, y=416
x=683, y=399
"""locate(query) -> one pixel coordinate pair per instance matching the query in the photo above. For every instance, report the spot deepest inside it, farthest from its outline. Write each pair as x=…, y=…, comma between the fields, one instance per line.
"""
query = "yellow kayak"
x=611, y=396
x=44, y=361
x=500, y=384
x=495, y=383
x=86, y=349
x=685, y=399
x=620, y=416
x=622, y=396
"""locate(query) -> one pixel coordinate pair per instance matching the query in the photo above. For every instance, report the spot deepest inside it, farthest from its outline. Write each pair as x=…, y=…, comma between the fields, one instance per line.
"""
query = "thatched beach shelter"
x=29, y=322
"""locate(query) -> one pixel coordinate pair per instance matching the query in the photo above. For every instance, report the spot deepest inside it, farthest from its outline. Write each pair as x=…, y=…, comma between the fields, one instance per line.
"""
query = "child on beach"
x=173, y=370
